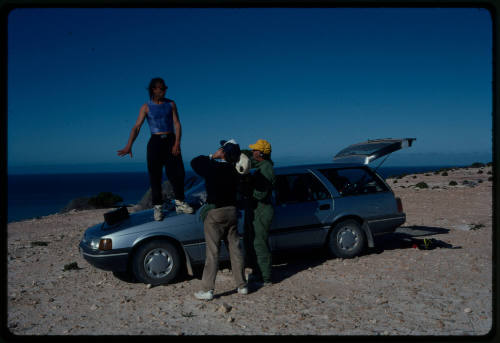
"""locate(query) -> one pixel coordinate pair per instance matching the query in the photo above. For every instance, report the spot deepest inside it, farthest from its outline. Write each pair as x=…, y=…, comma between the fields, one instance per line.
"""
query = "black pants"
x=159, y=156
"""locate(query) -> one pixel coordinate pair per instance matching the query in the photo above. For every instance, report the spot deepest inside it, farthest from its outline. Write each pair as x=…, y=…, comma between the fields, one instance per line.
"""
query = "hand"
x=176, y=149
x=125, y=151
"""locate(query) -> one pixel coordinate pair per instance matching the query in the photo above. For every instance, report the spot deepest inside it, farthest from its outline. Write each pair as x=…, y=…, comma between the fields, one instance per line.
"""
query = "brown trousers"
x=222, y=223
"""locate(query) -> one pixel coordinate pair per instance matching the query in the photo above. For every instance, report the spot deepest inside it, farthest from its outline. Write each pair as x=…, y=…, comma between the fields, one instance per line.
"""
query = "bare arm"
x=176, y=149
x=134, y=132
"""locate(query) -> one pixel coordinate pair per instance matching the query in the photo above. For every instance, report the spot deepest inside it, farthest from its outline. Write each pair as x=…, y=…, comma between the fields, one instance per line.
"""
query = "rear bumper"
x=114, y=260
x=386, y=225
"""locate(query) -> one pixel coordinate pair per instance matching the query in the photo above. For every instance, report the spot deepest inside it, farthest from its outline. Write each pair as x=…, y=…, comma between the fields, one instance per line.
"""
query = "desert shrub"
x=453, y=183
x=477, y=165
x=71, y=266
x=39, y=244
x=489, y=164
x=479, y=171
x=490, y=178
x=480, y=181
x=489, y=172
x=435, y=187
x=476, y=226
x=105, y=200
x=395, y=181
x=427, y=174
x=465, y=182
x=414, y=176
x=421, y=185
x=444, y=174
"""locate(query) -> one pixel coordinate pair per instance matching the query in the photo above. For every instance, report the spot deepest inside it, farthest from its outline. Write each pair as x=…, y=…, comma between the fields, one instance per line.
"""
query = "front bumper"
x=114, y=260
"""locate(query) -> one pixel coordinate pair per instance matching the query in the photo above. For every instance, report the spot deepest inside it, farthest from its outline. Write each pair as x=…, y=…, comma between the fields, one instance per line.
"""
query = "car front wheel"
x=347, y=239
x=156, y=262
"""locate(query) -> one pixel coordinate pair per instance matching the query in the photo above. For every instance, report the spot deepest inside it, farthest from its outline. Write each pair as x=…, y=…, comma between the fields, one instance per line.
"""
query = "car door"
x=303, y=208
x=371, y=150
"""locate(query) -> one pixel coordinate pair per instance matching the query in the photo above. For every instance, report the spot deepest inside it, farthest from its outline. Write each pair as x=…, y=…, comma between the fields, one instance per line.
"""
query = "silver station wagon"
x=340, y=206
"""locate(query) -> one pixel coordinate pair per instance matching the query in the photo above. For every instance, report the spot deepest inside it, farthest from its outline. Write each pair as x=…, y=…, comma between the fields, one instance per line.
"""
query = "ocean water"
x=37, y=195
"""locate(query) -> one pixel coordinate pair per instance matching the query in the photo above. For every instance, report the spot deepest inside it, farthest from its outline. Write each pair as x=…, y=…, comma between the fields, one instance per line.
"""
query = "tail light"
x=400, y=205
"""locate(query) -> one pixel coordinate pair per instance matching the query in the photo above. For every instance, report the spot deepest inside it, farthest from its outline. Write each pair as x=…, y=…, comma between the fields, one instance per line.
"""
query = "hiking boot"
x=254, y=278
x=243, y=290
x=158, y=212
x=183, y=207
x=202, y=295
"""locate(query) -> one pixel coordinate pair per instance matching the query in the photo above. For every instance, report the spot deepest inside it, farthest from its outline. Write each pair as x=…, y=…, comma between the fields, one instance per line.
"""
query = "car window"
x=354, y=181
x=299, y=188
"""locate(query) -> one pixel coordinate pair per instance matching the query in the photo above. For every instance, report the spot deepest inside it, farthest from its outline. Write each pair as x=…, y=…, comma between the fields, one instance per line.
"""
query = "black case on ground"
x=116, y=216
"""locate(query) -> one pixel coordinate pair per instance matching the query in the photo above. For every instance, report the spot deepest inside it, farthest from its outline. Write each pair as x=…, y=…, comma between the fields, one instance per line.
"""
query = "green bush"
x=453, y=183
x=105, y=200
x=421, y=185
x=477, y=165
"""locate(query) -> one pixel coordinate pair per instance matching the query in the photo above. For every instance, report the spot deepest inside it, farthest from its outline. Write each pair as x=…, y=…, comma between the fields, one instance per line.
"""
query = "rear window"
x=299, y=188
x=354, y=181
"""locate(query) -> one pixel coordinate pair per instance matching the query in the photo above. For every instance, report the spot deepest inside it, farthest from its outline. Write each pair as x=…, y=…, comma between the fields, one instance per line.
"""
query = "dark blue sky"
x=310, y=81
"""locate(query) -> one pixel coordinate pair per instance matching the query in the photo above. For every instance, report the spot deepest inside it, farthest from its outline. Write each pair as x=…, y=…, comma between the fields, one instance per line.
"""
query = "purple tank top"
x=160, y=117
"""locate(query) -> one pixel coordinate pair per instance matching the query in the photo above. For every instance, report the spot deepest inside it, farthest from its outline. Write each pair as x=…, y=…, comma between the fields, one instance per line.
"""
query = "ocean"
x=36, y=195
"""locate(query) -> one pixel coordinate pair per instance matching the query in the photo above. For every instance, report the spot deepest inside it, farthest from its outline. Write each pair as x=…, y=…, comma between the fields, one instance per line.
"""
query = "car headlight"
x=94, y=243
x=101, y=244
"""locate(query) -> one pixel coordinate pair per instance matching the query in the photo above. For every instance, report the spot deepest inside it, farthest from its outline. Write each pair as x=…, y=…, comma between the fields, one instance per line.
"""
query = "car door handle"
x=324, y=207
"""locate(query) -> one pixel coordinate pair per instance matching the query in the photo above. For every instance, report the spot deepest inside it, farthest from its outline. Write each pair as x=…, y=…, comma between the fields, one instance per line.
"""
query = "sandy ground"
x=393, y=289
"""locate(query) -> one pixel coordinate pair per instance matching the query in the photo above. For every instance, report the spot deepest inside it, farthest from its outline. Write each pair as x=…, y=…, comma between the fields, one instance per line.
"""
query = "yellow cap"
x=261, y=145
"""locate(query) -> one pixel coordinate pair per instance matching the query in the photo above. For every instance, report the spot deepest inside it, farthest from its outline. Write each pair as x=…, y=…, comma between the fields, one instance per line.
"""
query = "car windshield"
x=195, y=190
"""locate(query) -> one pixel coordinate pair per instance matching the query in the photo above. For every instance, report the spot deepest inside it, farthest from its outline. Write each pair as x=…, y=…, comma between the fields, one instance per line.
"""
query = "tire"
x=156, y=262
x=347, y=239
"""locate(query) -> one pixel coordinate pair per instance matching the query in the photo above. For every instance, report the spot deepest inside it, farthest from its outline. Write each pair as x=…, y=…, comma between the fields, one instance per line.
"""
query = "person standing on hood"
x=164, y=146
x=220, y=215
x=259, y=212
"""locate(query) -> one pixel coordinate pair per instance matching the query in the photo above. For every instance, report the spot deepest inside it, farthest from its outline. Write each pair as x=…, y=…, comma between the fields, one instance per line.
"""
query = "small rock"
x=149, y=285
x=225, y=308
x=381, y=301
x=93, y=307
x=468, y=310
x=230, y=319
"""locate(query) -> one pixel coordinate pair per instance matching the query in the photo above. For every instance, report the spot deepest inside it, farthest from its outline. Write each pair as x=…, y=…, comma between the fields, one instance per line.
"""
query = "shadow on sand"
x=289, y=263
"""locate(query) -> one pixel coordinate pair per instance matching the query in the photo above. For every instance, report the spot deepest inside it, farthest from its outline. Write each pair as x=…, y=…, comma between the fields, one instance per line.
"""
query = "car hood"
x=143, y=220
x=371, y=150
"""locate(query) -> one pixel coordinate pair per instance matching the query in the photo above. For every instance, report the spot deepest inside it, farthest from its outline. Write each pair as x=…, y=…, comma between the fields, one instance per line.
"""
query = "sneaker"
x=202, y=295
x=243, y=290
x=158, y=212
x=182, y=207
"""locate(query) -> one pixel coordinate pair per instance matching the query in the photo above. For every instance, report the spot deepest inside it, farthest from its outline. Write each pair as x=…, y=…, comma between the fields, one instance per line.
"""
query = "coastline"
x=33, y=196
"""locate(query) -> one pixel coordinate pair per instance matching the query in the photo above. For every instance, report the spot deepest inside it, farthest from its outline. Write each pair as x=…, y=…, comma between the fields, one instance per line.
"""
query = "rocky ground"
x=393, y=289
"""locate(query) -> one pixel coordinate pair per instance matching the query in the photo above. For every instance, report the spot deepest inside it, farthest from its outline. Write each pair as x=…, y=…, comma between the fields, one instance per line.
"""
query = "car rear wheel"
x=347, y=239
x=156, y=262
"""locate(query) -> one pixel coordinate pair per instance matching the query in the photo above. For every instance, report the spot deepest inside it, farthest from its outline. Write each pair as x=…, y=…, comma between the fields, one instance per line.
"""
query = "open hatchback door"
x=370, y=150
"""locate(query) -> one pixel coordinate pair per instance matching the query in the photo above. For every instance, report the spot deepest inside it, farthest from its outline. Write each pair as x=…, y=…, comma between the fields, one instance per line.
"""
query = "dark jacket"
x=221, y=180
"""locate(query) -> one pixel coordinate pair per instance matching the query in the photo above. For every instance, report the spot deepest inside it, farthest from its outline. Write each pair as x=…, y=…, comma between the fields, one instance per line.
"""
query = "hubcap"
x=158, y=263
x=347, y=238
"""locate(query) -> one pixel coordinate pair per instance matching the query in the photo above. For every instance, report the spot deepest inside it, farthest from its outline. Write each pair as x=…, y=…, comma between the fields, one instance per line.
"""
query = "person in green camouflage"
x=259, y=212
